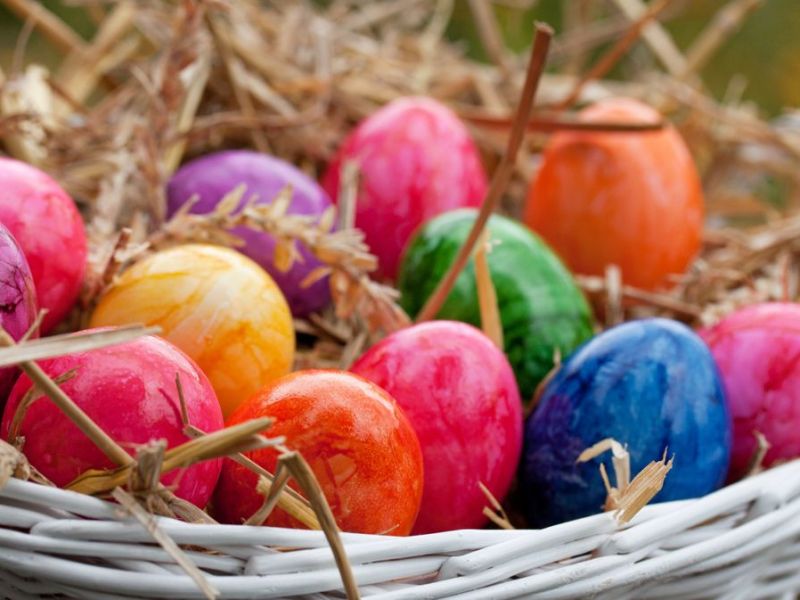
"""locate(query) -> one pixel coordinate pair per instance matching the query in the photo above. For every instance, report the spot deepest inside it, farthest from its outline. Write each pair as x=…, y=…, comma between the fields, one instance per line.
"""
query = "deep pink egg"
x=757, y=350
x=48, y=227
x=459, y=393
x=129, y=390
x=416, y=160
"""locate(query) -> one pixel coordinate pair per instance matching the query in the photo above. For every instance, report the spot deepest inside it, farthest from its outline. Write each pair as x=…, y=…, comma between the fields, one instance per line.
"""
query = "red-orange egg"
x=633, y=199
x=356, y=440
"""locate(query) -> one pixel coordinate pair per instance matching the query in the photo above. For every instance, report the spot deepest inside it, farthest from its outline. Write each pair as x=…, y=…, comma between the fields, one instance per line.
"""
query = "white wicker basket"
x=741, y=542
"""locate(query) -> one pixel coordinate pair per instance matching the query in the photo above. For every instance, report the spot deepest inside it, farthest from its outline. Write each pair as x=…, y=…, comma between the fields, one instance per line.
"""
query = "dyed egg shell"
x=541, y=307
x=459, y=393
x=757, y=350
x=209, y=178
x=17, y=301
x=652, y=385
x=129, y=390
x=354, y=437
x=416, y=160
x=47, y=226
x=630, y=199
x=216, y=305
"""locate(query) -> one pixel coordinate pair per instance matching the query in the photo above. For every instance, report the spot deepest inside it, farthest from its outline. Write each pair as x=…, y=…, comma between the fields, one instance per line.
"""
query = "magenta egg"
x=209, y=178
x=129, y=390
x=459, y=392
x=757, y=350
x=48, y=227
x=416, y=160
x=17, y=300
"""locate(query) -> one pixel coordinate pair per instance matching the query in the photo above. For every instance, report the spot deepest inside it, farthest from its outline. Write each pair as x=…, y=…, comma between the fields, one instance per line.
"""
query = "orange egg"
x=632, y=199
x=357, y=441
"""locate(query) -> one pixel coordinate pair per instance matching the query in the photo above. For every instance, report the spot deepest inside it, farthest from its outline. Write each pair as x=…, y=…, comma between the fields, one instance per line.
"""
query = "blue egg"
x=652, y=385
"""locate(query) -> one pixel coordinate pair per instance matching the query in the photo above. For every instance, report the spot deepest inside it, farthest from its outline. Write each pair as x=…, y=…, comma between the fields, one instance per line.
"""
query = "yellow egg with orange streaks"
x=216, y=305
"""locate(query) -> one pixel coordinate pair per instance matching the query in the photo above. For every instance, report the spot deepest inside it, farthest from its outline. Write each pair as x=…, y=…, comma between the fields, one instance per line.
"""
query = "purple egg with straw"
x=211, y=177
x=17, y=301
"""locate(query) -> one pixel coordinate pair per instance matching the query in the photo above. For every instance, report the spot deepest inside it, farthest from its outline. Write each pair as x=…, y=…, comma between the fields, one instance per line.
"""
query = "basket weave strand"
x=740, y=542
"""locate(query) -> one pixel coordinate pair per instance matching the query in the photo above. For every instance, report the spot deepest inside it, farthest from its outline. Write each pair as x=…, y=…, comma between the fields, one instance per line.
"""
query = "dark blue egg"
x=653, y=386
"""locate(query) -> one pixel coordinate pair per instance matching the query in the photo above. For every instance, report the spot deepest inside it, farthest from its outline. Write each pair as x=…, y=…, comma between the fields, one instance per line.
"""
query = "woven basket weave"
x=742, y=542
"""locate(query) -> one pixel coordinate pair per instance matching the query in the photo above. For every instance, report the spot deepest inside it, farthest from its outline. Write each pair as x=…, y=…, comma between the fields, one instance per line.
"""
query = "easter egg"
x=49, y=229
x=757, y=350
x=459, y=393
x=17, y=301
x=631, y=199
x=416, y=160
x=129, y=390
x=541, y=308
x=358, y=443
x=216, y=305
x=652, y=385
x=209, y=178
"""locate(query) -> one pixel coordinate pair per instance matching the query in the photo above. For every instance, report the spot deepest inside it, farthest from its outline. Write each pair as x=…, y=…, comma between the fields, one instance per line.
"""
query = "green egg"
x=541, y=307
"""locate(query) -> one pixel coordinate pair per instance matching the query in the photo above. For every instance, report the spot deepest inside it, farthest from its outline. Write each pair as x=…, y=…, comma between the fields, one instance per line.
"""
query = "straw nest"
x=162, y=81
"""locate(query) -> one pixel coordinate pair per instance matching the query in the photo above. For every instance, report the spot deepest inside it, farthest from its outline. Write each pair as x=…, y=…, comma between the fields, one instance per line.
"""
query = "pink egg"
x=416, y=160
x=129, y=391
x=757, y=350
x=459, y=393
x=49, y=229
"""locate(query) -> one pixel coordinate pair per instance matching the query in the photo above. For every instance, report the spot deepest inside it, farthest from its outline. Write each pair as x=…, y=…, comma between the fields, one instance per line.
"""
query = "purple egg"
x=212, y=176
x=17, y=301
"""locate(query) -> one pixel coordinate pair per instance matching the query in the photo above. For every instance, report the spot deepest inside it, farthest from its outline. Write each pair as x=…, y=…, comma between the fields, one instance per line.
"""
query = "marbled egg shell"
x=48, y=227
x=541, y=308
x=210, y=177
x=416, y=160
x=17, y=301
x=652, y=385
x=630, y=199
x=757, y=350
x=458, y=391
x=216, y=305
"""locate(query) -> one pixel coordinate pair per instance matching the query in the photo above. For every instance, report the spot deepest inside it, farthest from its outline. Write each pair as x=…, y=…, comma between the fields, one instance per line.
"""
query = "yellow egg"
x=216, y=305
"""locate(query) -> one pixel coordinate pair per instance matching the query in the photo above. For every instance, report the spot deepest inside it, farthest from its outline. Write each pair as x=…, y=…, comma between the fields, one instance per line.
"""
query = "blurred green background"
x=765, y=51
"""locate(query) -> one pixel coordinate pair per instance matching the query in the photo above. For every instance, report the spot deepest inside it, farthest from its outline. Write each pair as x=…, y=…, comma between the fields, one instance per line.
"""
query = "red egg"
x=129, y=390
x=356, y=440
x=632, y=199
x=459, y=392
x=46, y=224
x=757, y=350
x=416, y=160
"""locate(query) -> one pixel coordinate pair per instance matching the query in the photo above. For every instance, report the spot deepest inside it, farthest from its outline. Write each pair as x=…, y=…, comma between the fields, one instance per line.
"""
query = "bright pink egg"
x=757, y=350
x=459, y=393
x=129, y=390
x=46, y=224
x=416, y=160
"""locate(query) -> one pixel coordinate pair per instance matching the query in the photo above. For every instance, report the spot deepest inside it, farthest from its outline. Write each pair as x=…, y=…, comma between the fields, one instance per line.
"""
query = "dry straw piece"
x=162, y=81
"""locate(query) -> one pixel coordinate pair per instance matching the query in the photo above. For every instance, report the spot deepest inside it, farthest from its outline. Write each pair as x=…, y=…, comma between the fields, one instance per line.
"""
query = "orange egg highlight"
x=633, y=199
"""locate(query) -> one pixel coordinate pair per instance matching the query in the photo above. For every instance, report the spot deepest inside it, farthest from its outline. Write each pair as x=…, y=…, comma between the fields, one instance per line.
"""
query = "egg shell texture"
x=757, y=349
x=356, y=440
x=459, y=393
x=46, y=224
x=541, y=307
x=630, y=199
x=652, y=385
x=216, y=305
x=17, y=301
x=129, y=390
x=209, y=178
x=416, y=160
